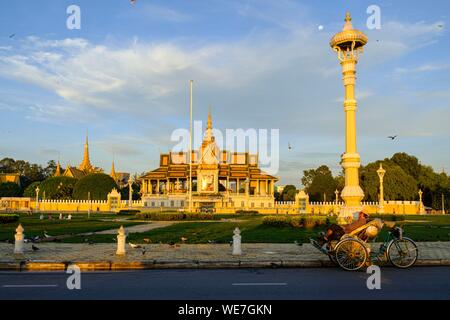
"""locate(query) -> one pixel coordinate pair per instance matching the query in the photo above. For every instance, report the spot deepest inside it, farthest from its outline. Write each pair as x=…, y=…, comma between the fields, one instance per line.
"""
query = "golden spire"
x=58, y=170
x=86, y=164
x=348, y=22
x=209, y=119
x=113, y=171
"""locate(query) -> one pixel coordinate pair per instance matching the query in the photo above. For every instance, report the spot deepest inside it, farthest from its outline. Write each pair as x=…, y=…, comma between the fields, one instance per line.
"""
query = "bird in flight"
x=392, y=137
x=12, y=35
x=133, y=1
x=289, y=146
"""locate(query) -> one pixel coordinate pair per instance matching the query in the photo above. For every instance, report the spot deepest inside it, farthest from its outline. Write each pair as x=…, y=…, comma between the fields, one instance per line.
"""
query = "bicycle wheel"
x=351, y=254
x=402, y=253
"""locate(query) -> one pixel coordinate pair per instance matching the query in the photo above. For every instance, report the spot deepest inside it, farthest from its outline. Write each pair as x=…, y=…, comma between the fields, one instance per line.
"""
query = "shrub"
x=9, y=189
x=97, y=184
x=277, y=221
x=388, y=217
x=247, y=212
x=125, y=212
x=294, y=221
x=30, y=191
x=8, y=218
x=175, y=216
x=56, y=188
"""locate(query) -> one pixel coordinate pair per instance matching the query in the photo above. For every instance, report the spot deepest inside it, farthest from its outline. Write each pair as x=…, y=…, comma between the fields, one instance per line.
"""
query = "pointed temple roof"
x=86, y=164
x=58, y=170
x=113, y=171
x=209, y=131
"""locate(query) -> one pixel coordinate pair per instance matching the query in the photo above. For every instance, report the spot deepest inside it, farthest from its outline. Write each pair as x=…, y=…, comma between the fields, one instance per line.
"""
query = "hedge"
x=247, y=212
x=388, y=217
x=295, y=221
x=175, y=216
x=8, y=218
x=125, y=212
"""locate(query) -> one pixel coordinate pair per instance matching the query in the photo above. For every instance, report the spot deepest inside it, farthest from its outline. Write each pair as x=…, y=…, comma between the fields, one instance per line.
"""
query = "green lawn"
x=218, y=232
x=419, y=228
x=79, y=224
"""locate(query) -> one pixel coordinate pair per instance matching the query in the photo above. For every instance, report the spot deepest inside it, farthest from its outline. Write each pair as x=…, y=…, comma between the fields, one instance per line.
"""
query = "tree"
x=277, y=196
x=97, y=184
x=30, y=191
x=398, y=185
x=322, y=186
x=10, y=189
x=57, y=188
x=7, y=165
x=29, y=173
x=340, y=181
x=288, y=193
x=50, y=169
x=125, y=192
x=409, y=164
x=309, y=175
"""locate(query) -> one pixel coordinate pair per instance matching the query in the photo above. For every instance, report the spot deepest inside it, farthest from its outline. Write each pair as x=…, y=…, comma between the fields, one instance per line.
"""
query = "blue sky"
x=259, y=64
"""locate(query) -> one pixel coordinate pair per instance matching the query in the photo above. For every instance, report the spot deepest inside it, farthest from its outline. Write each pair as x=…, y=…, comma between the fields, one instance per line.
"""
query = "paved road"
x=324, y=283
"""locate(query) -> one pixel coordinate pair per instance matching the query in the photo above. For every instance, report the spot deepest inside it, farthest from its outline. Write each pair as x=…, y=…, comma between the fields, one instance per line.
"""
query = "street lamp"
x=381, y=173
x=130, y=194
x=37, y=198
x=190, y=145
x=337, y=196
x=421, y=209
x=349, y=44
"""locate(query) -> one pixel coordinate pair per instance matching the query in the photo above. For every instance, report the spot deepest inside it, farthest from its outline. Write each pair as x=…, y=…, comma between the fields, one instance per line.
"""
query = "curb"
x=47, y=265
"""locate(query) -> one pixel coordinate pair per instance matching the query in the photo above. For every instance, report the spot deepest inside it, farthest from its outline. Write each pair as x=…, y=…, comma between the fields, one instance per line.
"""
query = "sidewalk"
x=56, y=256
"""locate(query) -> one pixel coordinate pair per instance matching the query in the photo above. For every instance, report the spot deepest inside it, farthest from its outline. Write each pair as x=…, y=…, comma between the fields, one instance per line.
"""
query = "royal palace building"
x=222, y=181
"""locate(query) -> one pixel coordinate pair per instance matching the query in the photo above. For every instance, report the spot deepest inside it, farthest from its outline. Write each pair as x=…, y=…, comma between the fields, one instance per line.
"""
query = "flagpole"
x=190, y=148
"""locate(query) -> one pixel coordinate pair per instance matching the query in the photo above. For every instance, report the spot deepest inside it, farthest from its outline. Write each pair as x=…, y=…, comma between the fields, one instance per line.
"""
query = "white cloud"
x=156, y=12
x=429, y=67
x=266, y=80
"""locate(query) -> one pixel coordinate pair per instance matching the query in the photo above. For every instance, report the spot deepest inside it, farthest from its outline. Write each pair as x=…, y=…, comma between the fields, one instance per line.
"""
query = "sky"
x=263, y=64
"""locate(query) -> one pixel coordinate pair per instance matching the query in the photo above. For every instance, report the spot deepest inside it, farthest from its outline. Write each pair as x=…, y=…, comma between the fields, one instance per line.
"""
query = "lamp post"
x=349, y=44
x=337, y=196
x=381, y=172
x=443, y=206
x=37, y=198
x=130, y=193
x=190, y=145
x=421, y=209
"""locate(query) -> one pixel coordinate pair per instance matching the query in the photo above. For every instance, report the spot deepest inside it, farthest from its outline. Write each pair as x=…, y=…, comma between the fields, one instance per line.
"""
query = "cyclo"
x=352, y=250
